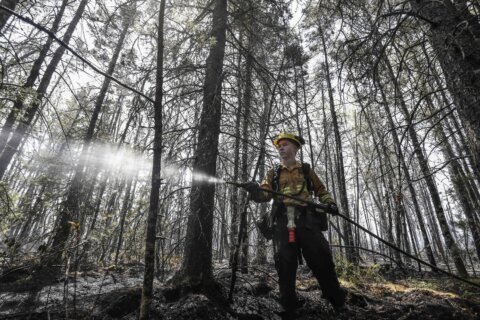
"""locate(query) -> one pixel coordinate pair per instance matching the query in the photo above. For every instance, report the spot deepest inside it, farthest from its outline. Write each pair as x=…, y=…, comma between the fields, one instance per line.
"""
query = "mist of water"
x=111, y=158
x=133, y=163
x=201, y=177
x=170, y=170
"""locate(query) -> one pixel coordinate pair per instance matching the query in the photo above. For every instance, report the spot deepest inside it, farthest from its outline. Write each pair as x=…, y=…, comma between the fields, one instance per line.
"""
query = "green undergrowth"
x=365, y=277
x=461, y=289
x=358, y=275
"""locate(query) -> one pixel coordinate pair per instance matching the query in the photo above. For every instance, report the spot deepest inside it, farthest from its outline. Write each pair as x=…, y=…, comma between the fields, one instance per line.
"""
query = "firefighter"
x=296, y=228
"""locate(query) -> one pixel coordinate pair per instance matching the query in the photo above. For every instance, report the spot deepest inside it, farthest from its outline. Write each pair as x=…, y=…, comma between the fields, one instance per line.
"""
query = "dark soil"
x=115, y=294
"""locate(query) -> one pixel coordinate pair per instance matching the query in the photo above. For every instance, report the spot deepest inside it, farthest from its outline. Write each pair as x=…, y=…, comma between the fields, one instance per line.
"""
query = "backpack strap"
x=276, y=177
x=306, y=175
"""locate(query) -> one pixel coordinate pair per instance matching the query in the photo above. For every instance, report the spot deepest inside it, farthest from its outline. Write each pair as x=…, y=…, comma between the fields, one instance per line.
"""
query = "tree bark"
x=123, y=215
x=234, y=203
x=4, y=15
x=462, y=145
x=454, y=34
x=411, y=188
x=197, y=260
x=261, y=255
x=23, y=126
x=149, y=258
x=30, y=82
x=428, y=176
x=247, y=101
x=69, y=210
x=457, y=177
x=352, y=255
x=387, y=224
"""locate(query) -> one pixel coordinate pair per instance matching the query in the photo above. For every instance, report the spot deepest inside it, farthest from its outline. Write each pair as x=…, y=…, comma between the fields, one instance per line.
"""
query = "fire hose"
x=346, y=218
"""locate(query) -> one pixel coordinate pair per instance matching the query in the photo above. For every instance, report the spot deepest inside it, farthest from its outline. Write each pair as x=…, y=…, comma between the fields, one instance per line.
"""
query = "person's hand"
x=252, y=187
x=332, y=209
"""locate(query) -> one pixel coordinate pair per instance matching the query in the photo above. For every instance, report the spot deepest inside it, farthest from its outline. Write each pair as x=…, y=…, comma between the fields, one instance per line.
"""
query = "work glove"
x=252, y=187
x=332, y=209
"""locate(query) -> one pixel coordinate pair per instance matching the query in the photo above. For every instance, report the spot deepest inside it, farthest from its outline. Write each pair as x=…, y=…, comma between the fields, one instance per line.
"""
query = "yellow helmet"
x=298, y=140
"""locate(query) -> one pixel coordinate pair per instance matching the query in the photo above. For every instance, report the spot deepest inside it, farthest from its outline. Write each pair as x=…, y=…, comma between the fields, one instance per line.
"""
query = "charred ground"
x=114, y=293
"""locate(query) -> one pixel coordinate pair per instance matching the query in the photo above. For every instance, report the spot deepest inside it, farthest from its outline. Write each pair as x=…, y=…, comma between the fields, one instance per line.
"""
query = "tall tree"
x=197, y=260
x=147, y=290
x=432, y=186
x=247, y=102
x=352, y=254
x=22, y=128
x=69, y=209
x=459, y=180
x=406, y=172
x=30, y=82
x=234, y=203
x=454, y=33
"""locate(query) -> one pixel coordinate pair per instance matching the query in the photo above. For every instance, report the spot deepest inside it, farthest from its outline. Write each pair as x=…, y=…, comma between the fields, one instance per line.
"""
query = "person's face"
x=287, y=149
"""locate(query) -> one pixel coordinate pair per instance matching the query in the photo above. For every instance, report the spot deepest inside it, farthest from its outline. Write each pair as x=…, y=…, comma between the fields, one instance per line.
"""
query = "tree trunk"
x=69, y=211
x=352, y=255
x=147, y=290
x=458, y=52
x=30, y=82
x=463, y=147
x=197, y=260
x=428, y=176
x=97, y=205
x=457, y=177
x=247, y=101
x=22, y=128
x=123, y=215
x=406, y=172
x=223, y=249
x=234, y=203
x=386, y=223
x=261, y=255
x=4, y=15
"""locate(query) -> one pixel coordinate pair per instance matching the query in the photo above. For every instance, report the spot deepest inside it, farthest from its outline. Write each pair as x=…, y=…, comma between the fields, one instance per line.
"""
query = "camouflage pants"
x=316, y=251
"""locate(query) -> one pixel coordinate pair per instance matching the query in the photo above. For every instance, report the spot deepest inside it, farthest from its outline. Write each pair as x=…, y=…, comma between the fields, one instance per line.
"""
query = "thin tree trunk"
x=387, y=223
x=123, y=215
x=4, y=15
x=357, y=184
x=234, y=203
x=223, y=239
x=23, y=126
x=261, y=256
x=147, y=289
x=347, y=228
x=247, y=100
x=197, y=261
x=459, y=55
x=457, y=177
x=32, y=77
x=464, y=147
x=428, y=176
x=406, y=172
x=70, y=207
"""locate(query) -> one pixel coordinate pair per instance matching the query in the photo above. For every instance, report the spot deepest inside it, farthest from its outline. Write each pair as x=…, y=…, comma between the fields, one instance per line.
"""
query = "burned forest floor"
x=375, y=292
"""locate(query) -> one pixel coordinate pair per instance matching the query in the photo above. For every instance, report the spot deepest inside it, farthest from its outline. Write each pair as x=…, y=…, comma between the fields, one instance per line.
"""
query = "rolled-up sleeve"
x=320, y=190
